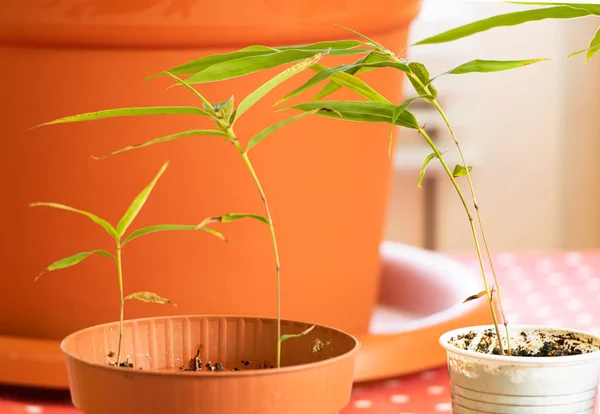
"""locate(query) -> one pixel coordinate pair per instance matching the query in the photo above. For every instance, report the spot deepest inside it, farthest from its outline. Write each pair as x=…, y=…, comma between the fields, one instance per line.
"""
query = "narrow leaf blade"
x=171, y=227
x=395, y=115
x=425, y=164
x=138, y=203
x=488, y=66
x=73, y=260
x=460, y=171
x=269, y=130
x=502, y=20
x=191, y=89
x=226, y=218
x=103, y=223
x=116, y=113
x=271, y=84
x=368, y=39
x=199, y=132
x=289, y=336
x=149, y=297
x=476, y=296
x=594, y=45
x=335, y=45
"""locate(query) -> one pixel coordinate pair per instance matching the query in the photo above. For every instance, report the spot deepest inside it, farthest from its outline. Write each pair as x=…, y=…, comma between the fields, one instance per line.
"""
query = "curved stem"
x=122, y=301
x=473, y=231
x=273, y=238
x=436, y=104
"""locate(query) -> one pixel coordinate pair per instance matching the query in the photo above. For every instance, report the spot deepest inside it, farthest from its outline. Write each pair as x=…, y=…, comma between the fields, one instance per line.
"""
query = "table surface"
x=560, y=289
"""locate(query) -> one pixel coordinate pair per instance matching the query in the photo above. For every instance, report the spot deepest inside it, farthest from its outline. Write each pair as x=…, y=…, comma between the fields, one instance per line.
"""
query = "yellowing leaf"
x=105, y=224
x=73, y=260
x=150, y=298
x=476, y=296
x=289, y=336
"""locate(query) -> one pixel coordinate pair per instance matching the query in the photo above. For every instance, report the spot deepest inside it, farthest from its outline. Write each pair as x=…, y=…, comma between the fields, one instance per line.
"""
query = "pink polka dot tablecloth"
x=560, y=289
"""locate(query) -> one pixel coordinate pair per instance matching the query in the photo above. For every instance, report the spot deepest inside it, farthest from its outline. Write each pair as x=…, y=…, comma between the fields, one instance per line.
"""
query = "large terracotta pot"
x=327, y=181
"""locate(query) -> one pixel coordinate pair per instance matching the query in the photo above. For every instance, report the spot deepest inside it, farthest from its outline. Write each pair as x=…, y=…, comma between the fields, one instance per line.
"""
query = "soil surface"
x=528, y=343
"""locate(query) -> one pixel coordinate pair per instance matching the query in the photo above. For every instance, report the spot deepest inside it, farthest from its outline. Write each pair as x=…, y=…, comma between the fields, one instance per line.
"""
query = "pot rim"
x=241, y=373
x=519, y=360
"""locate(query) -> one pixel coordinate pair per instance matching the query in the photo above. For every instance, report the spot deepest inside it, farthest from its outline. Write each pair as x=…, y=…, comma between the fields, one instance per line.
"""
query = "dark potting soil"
x=528, y=344
x=196, y=364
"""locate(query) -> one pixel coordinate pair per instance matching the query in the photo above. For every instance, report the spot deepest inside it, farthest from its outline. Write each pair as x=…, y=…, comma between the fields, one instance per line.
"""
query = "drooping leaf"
x=199, y=132
x=115, y=113
x=271, y=84
x=460, y=171
x=149, y=297
x=334, y=45
x=289, y=336
x=372, y=57
x=73, y=260
x=360, y=111
x=425, y=163
x=191, y=89
x=269, y=130
x=244, y=66
x=488, y=66
x=171, y=227
x=138, y=203
x=105, y=224
x=198, y=65
x=395, y=115
x=476, y=296
x=422, y=83
x=592, y=8
x=226, y=218
x=594, y=45
x=502, y=20
x=595, y=48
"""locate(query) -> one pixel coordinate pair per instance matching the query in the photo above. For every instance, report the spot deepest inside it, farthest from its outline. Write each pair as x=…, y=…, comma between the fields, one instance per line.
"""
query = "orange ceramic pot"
x=315, y=376
x=327, y=181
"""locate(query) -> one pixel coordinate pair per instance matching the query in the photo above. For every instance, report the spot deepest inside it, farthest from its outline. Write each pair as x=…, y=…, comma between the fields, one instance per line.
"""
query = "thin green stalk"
x=122, y=301
x=473, y=231
x=273, y=238
x=436, y=104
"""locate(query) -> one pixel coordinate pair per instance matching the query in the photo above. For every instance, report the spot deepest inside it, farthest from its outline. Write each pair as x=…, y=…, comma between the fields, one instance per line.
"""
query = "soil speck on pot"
x=528, y=343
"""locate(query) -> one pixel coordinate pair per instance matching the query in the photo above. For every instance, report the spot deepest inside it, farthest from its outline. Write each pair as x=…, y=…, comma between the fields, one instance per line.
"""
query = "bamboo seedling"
x=119, y=235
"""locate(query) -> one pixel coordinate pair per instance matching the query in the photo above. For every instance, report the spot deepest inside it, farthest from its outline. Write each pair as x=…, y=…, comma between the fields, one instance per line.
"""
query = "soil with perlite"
x=530, y=343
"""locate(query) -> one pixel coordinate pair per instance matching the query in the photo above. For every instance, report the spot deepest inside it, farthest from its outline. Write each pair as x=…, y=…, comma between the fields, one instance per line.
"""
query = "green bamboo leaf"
x=368, y=39
x=197, y=132
x=73, y=260
x=138, y=203
x=244, y=66
x=192, y=89
x=269, y=130
x=460, y=171
x=334, y=45
x=487, y=66
x=425, y=163
x=592, y=8
x=594, y=45
x=422, y=84
x=289, y=336
x=395, y=115
x=114, y=113
x=360, y=111
x=105, y=224
x=373, y=57
x=226, y=218
x=595, y=48
x=502, y=20
x=171, y=227
x=198, y=65
x=271, y=84
x=149, y=297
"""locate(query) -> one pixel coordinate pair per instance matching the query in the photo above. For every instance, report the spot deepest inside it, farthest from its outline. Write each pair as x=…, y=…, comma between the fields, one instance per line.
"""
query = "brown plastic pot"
x=308, y=382
x=71, y=56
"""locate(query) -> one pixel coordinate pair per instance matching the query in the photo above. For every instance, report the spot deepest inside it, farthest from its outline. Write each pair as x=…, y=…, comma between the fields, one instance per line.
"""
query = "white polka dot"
x=544, y=265
x=399, y=399
x=563, y=292
x=585, y=272
x=535, y=298
x=584, y=319
x=505, y=259
x=574, y=304
x=514, y=272
x=363, y=403
x=573, y=258
x=524, y=286
x=435, y=390
x=443, y=407
x=542, y=312
x=593, y=284
x=33, y=409
x=427, y=375
x=554, y=279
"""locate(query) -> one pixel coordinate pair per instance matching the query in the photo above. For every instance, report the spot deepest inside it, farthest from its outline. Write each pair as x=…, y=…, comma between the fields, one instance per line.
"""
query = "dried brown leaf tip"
x=476, y=296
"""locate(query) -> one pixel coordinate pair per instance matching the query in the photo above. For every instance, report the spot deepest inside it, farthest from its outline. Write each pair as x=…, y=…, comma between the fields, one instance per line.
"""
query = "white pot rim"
x=519, y=360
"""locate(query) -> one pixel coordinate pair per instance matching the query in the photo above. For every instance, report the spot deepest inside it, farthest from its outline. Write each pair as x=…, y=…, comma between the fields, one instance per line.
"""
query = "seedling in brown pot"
x=118, y=233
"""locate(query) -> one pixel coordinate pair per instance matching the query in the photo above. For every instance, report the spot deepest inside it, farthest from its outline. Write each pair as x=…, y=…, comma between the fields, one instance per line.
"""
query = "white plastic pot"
x=487, y=383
